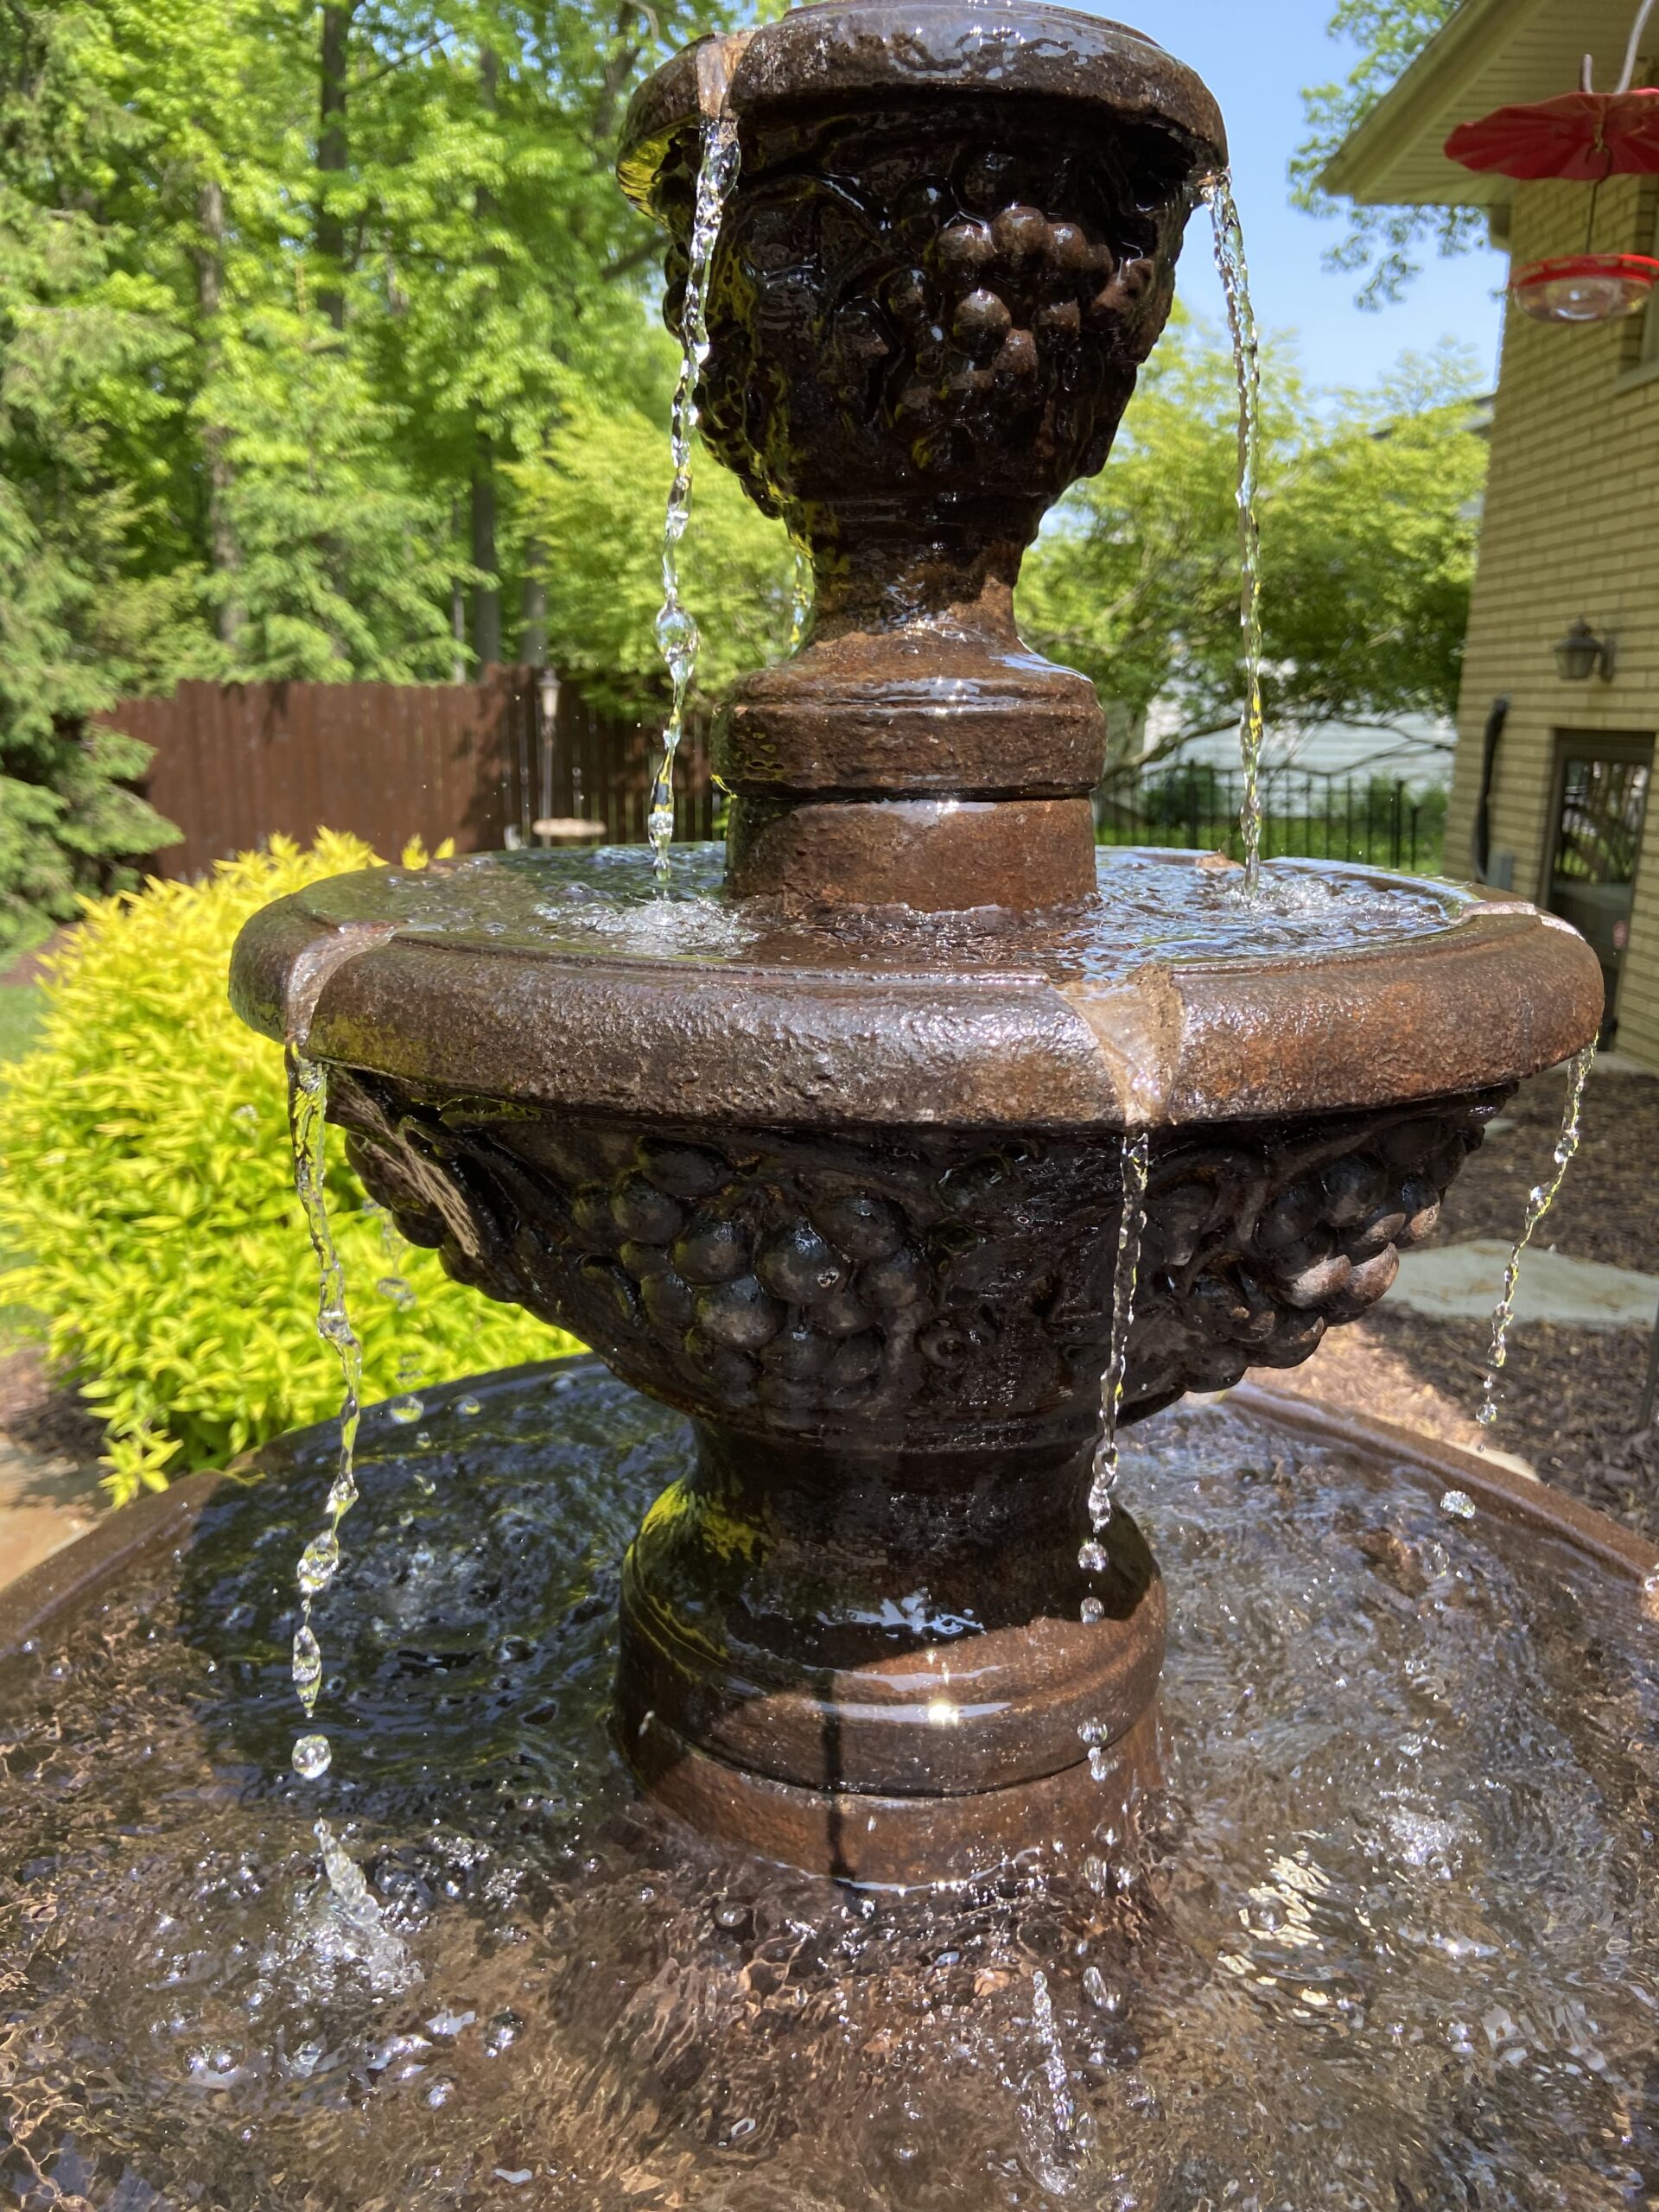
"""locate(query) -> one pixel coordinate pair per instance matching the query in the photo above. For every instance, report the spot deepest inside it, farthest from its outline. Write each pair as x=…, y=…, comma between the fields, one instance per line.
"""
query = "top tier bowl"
x=951, y=246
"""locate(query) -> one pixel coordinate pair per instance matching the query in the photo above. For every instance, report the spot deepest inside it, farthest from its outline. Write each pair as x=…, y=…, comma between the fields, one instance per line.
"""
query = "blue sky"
x=1255, y=56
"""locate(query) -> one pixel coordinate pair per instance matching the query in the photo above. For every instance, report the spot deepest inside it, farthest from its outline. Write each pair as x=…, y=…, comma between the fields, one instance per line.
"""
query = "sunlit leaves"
x=1380, y=243
x=145, y=1180
x=1368, y=511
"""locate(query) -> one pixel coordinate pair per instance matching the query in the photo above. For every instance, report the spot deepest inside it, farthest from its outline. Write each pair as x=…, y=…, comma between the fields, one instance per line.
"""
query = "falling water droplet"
x=308, y=1667
x=1092, y=1611
x=468, y=1405
x=1092, y=1557
x=1539, y=1202
x=1457, y=1506
x=1247, y=356
x=311, y=1757
x=406, y=1411
x=676, y=632
x=319, y=1563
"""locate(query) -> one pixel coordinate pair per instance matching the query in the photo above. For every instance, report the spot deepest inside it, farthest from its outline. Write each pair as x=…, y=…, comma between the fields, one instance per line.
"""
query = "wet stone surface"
x=1151, y=905
x=1390, y=1938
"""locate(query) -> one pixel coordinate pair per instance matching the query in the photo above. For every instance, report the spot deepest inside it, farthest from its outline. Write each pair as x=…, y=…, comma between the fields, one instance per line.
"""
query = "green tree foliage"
x=1380, y=243
x=146, y=1179
x=1369, y=513
x=81, y=615
x=287, y=289
x=600, y=484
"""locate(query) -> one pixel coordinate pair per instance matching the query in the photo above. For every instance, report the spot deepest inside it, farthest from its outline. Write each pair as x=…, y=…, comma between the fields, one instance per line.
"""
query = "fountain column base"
x=876, y=1842
x=874, y=1666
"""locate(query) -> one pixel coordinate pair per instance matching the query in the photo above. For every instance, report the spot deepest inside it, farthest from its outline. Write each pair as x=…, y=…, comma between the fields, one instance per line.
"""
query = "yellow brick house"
x=1554, y=768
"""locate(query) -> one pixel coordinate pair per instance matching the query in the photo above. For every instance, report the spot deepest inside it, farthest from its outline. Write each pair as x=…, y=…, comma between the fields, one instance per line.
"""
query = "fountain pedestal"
x=874, y=1663
x=834, y=1168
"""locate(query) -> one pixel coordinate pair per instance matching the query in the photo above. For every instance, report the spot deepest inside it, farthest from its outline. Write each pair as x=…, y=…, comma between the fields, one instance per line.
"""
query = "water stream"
x=800, y=599
x=1131, y=1226
x=1539, y=1202
x=676, y=628
x=1247, y=355
x=308, y=1104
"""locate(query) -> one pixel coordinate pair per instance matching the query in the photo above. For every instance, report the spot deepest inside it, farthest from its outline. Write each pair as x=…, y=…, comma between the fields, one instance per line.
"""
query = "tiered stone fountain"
x=846, y=1191
x=828, y=1155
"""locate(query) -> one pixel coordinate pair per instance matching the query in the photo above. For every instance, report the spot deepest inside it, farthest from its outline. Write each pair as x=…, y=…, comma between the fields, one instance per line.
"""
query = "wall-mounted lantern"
x=1581, y=654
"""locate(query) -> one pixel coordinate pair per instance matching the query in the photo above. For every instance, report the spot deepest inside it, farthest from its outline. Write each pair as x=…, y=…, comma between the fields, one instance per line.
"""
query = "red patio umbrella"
x=1582, y=136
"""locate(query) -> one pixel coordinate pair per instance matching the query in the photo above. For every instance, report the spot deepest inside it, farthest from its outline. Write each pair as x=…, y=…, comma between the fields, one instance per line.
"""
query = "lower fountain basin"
x=1388, y=1934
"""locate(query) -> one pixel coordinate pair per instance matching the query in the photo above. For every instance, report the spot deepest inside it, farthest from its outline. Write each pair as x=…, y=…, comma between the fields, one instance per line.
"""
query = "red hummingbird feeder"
x=1583, y=137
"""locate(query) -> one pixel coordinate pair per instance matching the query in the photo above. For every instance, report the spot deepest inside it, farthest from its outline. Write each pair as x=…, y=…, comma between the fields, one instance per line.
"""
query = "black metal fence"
x=1306, y=813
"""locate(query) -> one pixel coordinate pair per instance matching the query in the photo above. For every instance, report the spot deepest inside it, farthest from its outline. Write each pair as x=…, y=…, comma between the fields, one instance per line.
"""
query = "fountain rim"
x=45, y=1599
x=830, y=54
x=1500, y=994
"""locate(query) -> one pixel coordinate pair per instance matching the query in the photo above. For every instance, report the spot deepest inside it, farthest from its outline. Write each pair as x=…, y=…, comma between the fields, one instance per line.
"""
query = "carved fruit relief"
x=916, y=1285
x=900, y=308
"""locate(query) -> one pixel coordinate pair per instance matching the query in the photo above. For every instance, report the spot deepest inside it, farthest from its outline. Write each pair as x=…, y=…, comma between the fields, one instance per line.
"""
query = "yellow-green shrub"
x=146, y=1182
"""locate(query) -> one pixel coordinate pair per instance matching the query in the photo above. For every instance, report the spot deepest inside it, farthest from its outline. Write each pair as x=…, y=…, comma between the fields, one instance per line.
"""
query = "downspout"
x=1490, y=741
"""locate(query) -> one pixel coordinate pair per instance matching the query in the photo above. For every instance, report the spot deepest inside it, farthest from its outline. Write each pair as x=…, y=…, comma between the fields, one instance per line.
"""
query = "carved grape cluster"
x=908, y=306
x=789, y=1306
x=1015, y=291
x=907, y=1283
x=1310, y=1248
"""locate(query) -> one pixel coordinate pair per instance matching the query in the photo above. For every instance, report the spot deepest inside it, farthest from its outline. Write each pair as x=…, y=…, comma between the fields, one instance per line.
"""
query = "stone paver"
x=1463, y=1282
x=46, y=1502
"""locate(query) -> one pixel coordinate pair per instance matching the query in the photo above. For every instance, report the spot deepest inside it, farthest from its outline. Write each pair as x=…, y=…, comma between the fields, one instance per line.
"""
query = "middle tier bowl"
x=848, y=1192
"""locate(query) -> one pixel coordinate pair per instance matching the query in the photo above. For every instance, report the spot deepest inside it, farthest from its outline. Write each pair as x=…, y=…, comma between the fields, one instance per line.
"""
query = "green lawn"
x=20, y=1006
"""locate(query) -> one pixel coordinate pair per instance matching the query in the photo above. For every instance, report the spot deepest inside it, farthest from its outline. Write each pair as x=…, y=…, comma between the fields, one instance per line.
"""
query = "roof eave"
x=1360, y=168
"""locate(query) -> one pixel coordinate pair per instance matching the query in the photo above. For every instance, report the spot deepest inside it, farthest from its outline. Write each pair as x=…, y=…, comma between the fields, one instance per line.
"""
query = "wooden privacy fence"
x=235, y=763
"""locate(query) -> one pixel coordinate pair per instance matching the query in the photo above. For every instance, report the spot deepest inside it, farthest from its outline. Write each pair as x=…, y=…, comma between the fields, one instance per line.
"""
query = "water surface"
x=1390, y=1939
x=1175, y=907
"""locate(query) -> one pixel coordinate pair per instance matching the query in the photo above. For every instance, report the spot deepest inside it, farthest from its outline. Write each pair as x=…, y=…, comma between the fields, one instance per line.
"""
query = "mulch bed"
x=43, y=1415
x=30, y=967
x=1571, y=1396
x=1609, y=1206
x=1570, y=1402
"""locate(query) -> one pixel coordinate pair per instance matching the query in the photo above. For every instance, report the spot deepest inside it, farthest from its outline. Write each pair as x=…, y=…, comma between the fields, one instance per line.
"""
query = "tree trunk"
x=486, y=596
x=332, y=149
x=224, y=555
x=532, y=647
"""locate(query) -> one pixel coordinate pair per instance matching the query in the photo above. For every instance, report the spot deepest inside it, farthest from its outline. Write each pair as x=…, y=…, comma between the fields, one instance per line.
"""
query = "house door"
x=1601, y=801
